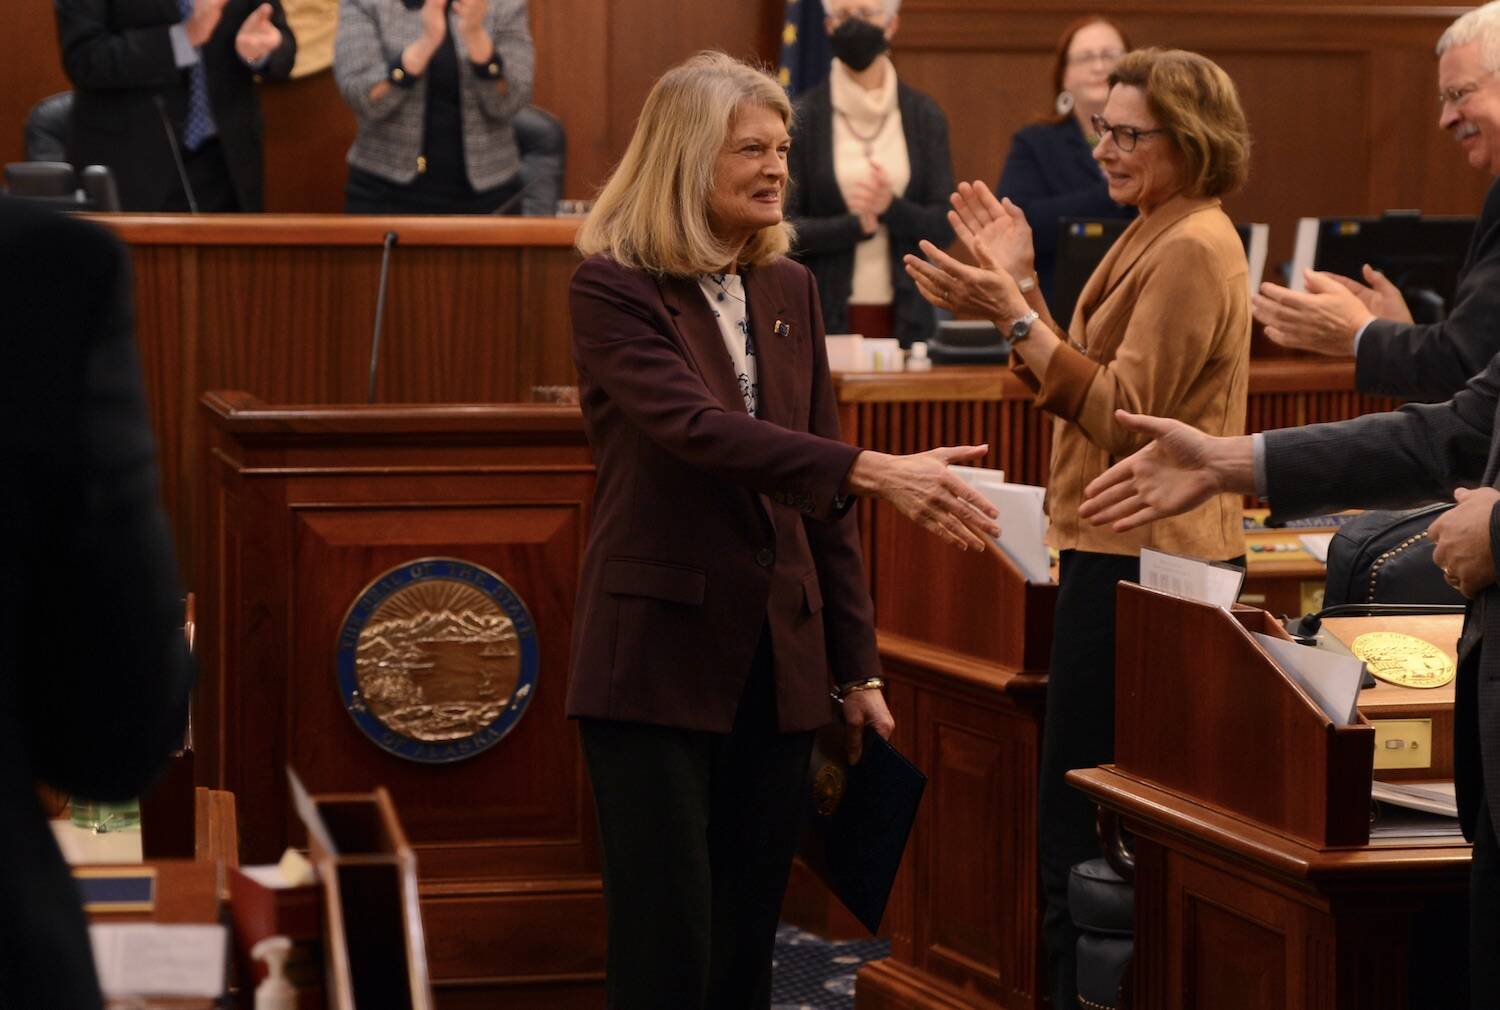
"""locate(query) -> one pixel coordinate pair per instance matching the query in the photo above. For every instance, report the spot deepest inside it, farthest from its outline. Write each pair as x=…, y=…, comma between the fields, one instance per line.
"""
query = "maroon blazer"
x=710, y=524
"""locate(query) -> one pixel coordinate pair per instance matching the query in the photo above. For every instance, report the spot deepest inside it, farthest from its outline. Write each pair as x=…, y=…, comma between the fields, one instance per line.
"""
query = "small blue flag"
x=805, y=53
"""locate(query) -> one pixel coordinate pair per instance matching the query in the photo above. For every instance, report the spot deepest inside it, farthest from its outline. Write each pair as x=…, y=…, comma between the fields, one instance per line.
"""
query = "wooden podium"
x=311, y=513
x=965, y=643
x=1257, y=884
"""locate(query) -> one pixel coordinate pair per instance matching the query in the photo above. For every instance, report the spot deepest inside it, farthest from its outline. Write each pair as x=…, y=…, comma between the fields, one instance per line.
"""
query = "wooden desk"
x=283, y=306
x=1256, y=881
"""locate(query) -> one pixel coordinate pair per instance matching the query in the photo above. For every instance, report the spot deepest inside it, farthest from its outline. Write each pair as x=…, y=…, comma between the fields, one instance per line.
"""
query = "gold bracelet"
x=868, y=684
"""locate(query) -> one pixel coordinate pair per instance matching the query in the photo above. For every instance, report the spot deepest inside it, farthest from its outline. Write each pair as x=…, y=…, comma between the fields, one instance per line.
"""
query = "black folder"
x=859, y=819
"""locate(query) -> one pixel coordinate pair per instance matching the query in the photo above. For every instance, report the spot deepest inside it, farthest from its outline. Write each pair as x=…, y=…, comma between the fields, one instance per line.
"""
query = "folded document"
x=1022, y=521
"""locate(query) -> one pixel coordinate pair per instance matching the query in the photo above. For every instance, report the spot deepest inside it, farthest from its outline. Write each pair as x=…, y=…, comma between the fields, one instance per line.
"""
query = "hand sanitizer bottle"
x=275, y=993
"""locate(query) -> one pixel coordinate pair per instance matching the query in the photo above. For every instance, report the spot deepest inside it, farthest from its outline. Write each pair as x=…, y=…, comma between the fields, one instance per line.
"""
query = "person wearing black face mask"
x=871, y=174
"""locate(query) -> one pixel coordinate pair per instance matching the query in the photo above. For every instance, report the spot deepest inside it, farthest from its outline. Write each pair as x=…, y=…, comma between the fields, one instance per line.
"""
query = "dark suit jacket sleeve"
x=1025, y=180
x=619, y=345
x=98, y=59
x=1430, y=362
x=1408, y=457
x=848, y=613
x=104, y=676
x=922, y=212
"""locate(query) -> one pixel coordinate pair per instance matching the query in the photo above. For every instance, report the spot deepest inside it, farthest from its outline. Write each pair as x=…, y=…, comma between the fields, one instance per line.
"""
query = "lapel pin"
x=783, y=329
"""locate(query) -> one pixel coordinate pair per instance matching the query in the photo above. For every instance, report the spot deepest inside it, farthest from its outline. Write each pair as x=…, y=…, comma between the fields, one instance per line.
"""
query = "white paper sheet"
x=1191, y=578
x=1330, y=679
x=1022, y=520
x=158, y=959
x=1316, y=544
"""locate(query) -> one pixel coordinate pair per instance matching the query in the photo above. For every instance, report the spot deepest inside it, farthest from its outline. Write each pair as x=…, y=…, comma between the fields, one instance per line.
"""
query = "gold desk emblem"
x=1403, y=660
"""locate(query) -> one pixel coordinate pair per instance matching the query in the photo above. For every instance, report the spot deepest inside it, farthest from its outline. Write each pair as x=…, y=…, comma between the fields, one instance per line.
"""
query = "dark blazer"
x=118, y=54
x=827, y=233
x=94, y=675
x=1432, y=361
x=1051, y=174
x=1412, y=456
x=709, y=524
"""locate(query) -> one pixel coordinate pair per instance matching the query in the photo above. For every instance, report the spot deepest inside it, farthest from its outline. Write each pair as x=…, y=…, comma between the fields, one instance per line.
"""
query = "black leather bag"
x=1386, y=557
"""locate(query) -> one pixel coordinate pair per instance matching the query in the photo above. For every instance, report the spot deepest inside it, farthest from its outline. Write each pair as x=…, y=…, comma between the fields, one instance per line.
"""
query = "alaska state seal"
x=437, y=660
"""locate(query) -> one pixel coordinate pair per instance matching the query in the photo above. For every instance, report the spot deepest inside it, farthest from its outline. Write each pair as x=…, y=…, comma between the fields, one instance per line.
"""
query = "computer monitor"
x=1082, y=243
x=1421, y=255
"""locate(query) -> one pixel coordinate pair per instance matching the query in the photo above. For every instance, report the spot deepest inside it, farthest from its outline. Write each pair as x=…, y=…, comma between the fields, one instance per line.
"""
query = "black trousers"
x=1079, y=732
x=208, y=174
x=698, y=832
x=1484, y=915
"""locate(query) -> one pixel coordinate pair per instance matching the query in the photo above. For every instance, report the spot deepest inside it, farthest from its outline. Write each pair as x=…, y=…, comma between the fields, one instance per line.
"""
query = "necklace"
x=724, y=291
x=867, y=141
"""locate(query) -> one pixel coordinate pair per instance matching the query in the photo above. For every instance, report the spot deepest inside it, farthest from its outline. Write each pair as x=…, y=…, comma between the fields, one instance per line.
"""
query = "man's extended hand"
x=1178, y=470
x=1323, y=319
x=1461, y=541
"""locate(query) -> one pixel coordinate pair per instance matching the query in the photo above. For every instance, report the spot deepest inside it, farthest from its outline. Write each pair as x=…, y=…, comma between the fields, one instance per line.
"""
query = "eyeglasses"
x=1457, y=96
x=1108, y=57
x=1126, y=137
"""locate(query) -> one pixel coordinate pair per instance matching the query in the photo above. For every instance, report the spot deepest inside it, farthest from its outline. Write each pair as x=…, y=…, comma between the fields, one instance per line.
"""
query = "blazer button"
x=765, y=557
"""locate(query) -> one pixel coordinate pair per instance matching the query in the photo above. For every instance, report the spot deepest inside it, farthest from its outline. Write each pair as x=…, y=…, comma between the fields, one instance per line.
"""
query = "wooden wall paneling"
x=31, y=70
x=1337, y=95
x=544, y=349
x=309, y=129
x=574, y=42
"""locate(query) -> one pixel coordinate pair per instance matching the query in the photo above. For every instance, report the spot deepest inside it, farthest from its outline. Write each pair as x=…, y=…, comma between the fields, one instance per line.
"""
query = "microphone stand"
x=385, y=266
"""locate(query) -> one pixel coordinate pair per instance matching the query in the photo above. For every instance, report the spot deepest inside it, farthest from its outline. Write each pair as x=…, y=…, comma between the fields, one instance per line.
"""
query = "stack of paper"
x=159, y=959
x=1211, y=582
x=1329, y=679
x=1022, y=521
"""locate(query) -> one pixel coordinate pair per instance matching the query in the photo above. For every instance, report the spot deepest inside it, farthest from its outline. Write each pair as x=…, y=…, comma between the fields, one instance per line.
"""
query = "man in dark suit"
x=1421, y=453
x=159, y=80
x=94, y=674
x=1338, y=316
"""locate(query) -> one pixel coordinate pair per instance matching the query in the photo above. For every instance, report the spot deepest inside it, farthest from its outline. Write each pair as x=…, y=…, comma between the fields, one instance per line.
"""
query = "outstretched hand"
x=994, y=231
x=1378, y=294
x=1178, y=470
x=922, y=488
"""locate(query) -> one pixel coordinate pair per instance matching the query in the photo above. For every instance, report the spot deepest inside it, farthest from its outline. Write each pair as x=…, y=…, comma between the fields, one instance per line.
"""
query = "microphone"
x=182, y=176
x=385, y=266
x=1307, y=626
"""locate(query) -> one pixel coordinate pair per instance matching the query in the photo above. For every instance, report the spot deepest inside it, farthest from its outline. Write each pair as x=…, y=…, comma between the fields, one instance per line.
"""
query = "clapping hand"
x=984, y=292
x=1323, y=319
x=1379, y=295
x=202, y=22
x=258, y=37
x=992, y=230
x=471, y=28
x=1178, y=470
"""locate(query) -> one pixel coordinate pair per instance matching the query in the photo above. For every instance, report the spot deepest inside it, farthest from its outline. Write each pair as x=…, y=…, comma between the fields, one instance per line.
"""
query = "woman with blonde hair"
x=1162, y=327
x=722, y=594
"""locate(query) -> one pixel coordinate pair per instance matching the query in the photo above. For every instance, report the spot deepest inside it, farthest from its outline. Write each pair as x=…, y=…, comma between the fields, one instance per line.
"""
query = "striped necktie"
x=198, y=126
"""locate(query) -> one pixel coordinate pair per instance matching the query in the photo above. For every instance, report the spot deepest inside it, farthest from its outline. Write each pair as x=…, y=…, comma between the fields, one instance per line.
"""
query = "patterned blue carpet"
x=810, y=973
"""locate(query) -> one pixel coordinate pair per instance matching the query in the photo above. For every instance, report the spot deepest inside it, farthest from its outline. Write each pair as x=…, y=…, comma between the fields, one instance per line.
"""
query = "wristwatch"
x=1021, y=328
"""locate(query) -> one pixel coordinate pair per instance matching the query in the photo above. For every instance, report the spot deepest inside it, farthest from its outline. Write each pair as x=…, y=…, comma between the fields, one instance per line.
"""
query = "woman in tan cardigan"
x=1162, y=327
